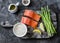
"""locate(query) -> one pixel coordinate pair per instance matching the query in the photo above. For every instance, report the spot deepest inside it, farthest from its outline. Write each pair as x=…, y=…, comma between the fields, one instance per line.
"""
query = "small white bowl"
x=16, y=7
x=20, y=29
x=27, y=3
x=12, y=11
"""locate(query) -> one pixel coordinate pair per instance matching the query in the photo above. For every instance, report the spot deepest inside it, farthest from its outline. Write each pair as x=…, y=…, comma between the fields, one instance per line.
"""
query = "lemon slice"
x=37, y=30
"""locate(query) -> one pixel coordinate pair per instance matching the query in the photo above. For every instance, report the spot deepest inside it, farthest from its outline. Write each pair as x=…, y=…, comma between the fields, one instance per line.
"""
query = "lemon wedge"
x=37, y=30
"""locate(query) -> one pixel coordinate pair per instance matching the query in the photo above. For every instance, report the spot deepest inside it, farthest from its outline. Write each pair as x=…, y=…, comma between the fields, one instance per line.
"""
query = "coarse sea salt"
x=20, y=30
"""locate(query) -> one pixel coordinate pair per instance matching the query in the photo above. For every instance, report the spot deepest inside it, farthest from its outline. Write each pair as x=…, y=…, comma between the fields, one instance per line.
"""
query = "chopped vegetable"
x=42, y=27
x=45, y=14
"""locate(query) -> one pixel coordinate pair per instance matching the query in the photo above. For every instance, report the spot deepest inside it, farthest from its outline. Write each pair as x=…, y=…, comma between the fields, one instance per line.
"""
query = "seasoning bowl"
x=12, y=8
x=25, y=2
x=20, y=29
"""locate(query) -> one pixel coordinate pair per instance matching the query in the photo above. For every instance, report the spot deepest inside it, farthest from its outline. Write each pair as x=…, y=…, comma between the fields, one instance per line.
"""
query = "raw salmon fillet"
x=34, y=24
x=25, y=20
x=29, y=22
x=28, y=13
x=36, y=17
x=32, y=14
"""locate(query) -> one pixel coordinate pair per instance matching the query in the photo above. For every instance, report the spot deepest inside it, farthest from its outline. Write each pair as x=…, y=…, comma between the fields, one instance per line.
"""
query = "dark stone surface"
x=6, y=34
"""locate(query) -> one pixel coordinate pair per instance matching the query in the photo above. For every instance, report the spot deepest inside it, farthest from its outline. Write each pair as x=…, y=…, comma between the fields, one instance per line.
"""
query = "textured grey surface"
x=6, y=34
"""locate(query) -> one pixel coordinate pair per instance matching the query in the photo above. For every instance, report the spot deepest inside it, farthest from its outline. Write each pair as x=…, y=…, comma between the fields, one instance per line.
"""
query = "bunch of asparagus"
x=45, y=14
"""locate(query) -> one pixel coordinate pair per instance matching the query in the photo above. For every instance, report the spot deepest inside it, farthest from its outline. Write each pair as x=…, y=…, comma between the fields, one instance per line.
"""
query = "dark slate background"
x=6, y=34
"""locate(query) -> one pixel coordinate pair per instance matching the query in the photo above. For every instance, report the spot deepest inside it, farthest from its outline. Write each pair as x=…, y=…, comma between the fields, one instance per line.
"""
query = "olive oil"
x=12, y=7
